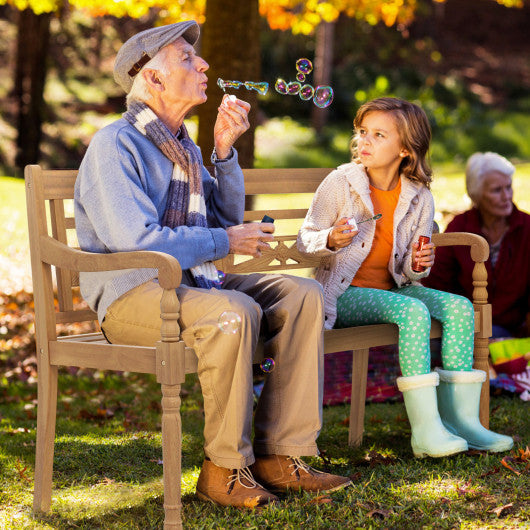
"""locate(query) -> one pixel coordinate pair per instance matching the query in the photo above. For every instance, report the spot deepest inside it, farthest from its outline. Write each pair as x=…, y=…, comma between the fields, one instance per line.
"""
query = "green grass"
x=107, y=471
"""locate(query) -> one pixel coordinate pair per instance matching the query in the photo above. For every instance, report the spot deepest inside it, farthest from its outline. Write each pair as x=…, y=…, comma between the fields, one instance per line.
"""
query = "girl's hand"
x=340, y=235
x=425, y=257
x=231, y=123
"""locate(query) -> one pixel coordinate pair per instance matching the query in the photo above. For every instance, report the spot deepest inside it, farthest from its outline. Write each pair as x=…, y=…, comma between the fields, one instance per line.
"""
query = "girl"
x=368, y=273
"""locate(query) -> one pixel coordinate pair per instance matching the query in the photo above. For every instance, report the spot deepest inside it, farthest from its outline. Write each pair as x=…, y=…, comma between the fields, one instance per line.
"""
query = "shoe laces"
x=242, y=475
x=299, y=464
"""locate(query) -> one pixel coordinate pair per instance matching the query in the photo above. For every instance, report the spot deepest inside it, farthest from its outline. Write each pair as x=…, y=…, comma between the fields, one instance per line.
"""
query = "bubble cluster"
x=261, y=87
x=267, y=365
x=322, y=95
x=229, y=322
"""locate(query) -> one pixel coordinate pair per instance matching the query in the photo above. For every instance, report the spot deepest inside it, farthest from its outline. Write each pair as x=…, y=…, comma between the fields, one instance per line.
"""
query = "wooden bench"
x=48, y=191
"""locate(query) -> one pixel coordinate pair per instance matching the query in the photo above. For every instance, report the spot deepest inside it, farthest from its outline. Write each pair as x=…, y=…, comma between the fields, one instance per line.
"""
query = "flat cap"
x=143, y=46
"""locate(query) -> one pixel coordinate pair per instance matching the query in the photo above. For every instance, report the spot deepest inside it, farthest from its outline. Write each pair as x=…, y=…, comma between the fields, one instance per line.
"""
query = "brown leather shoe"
x=231, y=487
x=280, y=473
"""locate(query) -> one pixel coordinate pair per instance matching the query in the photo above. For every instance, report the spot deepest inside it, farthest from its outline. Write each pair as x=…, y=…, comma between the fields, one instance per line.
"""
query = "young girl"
x=368, y=273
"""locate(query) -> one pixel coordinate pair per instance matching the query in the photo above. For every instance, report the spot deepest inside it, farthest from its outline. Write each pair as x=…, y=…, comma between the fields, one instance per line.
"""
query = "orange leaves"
x=304, y=16
x=512, y=462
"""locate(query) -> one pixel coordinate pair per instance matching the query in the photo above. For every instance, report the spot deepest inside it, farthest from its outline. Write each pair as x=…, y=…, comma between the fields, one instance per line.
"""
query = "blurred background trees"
x=465, y=61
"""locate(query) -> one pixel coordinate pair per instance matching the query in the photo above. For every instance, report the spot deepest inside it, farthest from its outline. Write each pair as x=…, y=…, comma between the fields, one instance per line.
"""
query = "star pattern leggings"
x=411, y=308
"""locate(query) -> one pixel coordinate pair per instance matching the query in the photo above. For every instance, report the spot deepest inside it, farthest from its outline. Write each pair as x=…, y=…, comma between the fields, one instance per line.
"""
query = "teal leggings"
x=411, y=308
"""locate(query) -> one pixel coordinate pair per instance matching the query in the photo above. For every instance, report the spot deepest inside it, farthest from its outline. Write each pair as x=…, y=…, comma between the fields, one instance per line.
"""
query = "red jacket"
x=508, y=282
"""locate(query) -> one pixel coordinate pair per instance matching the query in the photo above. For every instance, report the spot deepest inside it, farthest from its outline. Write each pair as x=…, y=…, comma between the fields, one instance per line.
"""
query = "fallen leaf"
x=499, y=510
x=321, y=499
x=490, y=472
x=466, y=489
x=253, y=502
x=505, y=463
x=525, y=455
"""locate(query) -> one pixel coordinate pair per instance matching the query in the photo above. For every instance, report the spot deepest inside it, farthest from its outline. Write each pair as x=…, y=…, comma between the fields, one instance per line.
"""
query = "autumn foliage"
x=296, y=15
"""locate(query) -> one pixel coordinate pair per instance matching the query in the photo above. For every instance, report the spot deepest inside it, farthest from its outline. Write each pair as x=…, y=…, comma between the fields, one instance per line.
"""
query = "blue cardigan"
x=120, y=198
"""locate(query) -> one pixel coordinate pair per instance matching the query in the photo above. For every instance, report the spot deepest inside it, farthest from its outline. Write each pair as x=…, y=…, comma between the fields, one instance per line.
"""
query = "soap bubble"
x=304, y=66
x=261, y=87
x=306, y=92
x=323, y=96
x=300, y=77
x=229, y=322
x=281, y=86
x=293, y=88
x=220, y=277
x=267, y=365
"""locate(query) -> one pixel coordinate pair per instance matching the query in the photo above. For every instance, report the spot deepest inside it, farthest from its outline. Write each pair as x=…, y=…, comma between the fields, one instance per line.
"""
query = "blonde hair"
x=414, y=131
x=478, y=166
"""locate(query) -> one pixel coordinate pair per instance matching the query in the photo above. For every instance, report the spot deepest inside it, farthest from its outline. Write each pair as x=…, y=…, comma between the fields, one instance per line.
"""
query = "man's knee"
x=245, y=308
x=310, y=291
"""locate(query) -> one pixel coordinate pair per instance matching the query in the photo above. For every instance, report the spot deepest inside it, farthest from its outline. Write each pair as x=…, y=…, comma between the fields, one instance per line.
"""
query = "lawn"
x=108, y=474
x=107, y=468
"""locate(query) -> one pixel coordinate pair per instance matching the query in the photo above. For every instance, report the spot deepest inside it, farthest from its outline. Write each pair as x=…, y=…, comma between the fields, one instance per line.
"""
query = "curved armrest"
x=56, y=253
x=480, y=249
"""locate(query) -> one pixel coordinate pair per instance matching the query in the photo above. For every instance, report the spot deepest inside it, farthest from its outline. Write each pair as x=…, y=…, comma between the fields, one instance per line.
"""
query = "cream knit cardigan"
x=345, y=192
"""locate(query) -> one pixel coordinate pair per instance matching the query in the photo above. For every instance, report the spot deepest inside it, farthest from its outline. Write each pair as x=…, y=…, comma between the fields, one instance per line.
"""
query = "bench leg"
x=171, y=455
x=358, y=396
x=46, y=415
x=481, y=355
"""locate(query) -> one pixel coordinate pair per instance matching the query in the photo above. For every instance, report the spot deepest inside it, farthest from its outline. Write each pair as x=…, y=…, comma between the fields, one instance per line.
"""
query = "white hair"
x=140, y=89
x=478, y=166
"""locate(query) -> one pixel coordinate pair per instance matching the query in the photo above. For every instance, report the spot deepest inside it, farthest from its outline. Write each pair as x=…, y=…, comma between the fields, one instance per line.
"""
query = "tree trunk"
x=30, y=75
x=324, y=50
x=230, y=45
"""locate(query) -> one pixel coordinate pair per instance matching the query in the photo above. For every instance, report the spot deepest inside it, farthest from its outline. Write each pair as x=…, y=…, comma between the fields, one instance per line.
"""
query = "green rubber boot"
x=429, y=436
x=459, y=402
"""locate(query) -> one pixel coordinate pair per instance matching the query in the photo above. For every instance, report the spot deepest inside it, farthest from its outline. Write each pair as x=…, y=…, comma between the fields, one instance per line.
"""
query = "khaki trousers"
x=288, y=312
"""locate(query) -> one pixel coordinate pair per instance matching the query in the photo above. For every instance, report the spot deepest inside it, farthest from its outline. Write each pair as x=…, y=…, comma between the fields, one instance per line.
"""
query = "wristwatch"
x=214, y=158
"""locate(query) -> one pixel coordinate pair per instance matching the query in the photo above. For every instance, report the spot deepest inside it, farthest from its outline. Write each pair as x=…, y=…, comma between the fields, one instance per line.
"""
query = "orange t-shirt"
x=374, y=272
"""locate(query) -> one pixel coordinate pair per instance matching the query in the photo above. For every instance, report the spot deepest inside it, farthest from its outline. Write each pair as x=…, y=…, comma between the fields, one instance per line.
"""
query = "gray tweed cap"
x=143, y=46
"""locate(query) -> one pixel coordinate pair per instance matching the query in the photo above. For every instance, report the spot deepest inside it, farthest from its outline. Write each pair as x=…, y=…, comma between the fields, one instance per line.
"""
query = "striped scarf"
x=185, y=204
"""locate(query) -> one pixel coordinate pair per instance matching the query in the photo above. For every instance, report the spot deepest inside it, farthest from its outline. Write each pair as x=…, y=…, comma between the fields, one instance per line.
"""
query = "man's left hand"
x=231, y=123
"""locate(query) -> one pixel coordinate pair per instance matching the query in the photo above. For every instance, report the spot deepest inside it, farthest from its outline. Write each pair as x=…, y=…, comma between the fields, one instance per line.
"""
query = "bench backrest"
x=49, y=198
x=284, y=195
x=278, y=193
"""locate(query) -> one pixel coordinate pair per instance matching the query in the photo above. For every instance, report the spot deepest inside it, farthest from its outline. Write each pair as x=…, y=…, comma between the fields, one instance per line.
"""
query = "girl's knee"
x=416, y=311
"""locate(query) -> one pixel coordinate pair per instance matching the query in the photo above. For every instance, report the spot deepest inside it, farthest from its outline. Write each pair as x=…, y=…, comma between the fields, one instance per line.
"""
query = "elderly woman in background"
x=507, y=230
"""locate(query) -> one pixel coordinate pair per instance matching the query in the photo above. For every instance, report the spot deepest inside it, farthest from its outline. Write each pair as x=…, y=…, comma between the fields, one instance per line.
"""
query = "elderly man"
x=142, y=185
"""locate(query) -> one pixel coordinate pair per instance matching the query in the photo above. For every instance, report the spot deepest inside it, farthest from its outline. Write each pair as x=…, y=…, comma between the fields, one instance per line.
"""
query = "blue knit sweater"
x=120, y=198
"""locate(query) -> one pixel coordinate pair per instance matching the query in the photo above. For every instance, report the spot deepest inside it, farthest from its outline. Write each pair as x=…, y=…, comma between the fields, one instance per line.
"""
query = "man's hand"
x=250, y=238
x=231, y=123
x=341, y=235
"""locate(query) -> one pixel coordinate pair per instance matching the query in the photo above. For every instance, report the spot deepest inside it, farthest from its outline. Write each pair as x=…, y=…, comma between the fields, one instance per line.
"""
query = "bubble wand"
x=374, y=218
